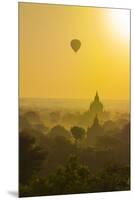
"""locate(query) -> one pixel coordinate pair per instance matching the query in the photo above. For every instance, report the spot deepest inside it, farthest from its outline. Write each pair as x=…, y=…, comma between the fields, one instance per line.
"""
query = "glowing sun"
x=119, y=20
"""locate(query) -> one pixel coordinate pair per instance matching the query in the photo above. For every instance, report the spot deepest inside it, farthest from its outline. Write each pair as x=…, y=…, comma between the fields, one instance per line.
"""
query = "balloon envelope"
x=75, y=44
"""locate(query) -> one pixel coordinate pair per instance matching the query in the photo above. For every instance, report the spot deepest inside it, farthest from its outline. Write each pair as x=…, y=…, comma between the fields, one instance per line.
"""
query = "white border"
x=9, y=98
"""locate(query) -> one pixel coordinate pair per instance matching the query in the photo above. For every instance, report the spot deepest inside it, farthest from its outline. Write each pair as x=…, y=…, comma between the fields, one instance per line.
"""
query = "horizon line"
x=70, y=98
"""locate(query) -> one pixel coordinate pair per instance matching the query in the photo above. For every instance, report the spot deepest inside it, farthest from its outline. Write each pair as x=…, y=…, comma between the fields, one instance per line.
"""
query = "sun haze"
x=50, y=68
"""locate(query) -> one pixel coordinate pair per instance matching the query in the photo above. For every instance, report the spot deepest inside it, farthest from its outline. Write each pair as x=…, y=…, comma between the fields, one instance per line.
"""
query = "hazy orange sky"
x=49, y=68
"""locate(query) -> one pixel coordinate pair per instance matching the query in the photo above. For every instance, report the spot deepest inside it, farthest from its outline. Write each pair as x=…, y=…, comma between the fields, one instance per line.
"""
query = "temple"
x=96, y=107
x=94, y=131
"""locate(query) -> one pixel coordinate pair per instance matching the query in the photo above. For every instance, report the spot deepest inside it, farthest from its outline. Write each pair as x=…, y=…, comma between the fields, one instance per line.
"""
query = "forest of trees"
x=59, y=160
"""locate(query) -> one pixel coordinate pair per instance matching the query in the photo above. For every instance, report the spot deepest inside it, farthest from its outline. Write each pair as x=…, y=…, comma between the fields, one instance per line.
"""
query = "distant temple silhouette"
x=96, y=107
x=94, y=131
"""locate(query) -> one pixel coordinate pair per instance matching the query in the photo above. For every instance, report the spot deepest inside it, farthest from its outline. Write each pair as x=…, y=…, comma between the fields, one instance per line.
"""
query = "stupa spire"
x=96, y=98
x=96, y=106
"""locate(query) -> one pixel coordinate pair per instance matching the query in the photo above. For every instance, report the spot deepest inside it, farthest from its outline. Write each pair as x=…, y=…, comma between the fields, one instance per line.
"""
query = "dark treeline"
x=57, y=160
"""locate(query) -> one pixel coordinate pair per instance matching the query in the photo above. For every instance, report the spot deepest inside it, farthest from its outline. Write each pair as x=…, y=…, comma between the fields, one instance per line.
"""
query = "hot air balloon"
x=75, y=44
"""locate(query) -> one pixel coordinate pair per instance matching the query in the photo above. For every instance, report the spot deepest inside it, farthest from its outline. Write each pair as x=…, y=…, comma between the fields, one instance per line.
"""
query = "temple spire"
x=96, y=98
x=96, y=106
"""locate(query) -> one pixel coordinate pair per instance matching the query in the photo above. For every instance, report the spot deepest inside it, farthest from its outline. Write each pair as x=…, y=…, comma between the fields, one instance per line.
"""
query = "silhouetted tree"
x=114, y=178
x=31, y=157
x=77, y=178
x=78, y=133
x=59, y=131
x=73, y=178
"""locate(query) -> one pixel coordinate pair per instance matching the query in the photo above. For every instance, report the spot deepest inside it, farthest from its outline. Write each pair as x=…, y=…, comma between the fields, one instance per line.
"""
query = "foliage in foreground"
x=76, y=178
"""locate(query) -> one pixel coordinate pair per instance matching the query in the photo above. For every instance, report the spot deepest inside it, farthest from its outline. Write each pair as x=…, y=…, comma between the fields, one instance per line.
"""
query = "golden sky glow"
x=49, y=68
